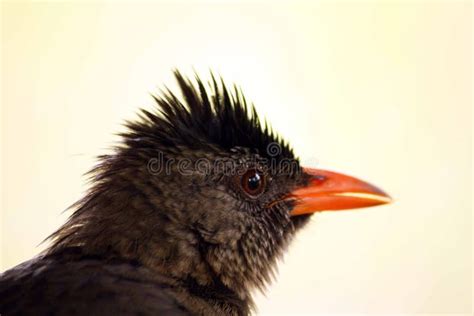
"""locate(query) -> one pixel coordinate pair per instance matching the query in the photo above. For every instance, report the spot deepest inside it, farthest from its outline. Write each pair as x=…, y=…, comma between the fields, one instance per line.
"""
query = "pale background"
x=378, y=90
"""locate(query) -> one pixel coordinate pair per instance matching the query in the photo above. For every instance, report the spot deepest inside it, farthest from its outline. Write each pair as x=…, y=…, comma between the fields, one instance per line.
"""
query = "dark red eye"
x=253, y=182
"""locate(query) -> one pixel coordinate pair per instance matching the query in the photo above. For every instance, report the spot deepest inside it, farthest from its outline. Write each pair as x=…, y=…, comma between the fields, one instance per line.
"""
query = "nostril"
x=319, y=178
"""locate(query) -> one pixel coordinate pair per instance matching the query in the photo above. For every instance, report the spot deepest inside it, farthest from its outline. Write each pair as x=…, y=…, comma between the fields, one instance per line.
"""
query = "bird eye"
x=253, y=182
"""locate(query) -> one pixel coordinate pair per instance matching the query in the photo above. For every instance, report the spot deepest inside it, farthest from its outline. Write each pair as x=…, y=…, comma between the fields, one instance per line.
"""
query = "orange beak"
x=331, y=191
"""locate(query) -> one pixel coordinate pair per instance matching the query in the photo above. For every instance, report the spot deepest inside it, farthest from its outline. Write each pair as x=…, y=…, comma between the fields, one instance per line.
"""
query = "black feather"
x=209, y=113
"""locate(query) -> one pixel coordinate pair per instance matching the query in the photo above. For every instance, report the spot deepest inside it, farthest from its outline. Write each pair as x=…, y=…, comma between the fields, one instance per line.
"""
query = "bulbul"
x=187, y=216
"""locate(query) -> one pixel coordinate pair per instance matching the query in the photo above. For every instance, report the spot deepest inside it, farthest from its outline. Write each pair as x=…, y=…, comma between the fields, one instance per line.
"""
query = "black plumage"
x=172, y=241
x=168, y=243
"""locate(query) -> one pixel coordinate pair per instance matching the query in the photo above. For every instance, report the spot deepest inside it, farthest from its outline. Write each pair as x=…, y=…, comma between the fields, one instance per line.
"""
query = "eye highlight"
x=253, y=182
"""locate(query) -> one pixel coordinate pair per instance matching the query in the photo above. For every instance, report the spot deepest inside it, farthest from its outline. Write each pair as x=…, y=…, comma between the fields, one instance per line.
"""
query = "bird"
x=188, y=214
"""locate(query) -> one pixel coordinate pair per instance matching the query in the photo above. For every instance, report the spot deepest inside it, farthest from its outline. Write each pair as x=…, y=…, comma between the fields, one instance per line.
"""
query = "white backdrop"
x=380, y=91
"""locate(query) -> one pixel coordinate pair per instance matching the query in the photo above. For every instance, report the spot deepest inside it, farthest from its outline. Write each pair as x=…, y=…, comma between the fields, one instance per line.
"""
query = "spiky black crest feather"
x=208, y=113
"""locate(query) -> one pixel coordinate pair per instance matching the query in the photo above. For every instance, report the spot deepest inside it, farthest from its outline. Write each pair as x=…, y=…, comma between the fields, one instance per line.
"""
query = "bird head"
x=202, y=191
